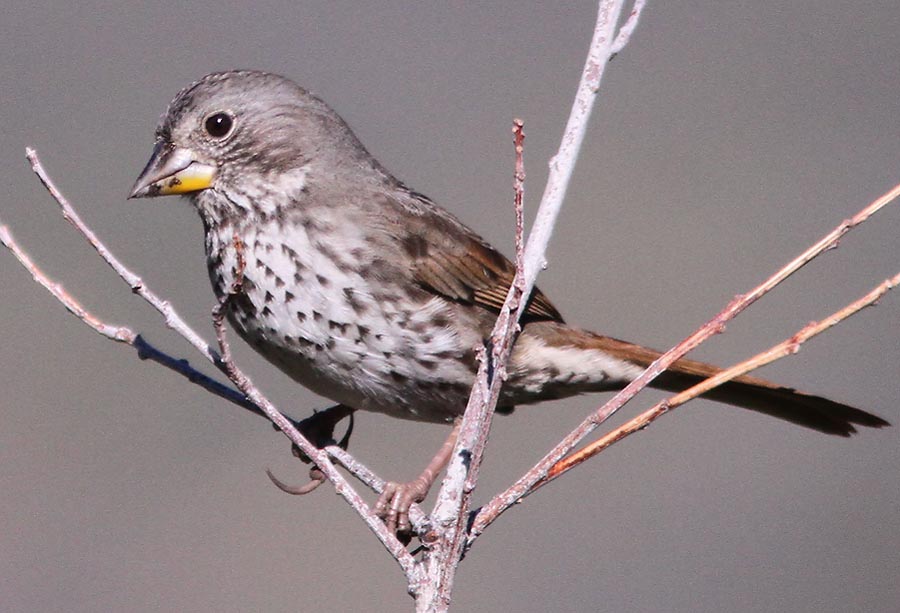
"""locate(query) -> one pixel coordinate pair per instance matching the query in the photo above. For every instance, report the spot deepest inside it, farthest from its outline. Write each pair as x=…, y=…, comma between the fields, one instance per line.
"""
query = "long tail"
x=752, y=393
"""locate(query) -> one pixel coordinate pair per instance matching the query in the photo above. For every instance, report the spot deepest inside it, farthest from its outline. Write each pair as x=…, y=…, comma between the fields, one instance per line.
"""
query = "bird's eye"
x=218, y=124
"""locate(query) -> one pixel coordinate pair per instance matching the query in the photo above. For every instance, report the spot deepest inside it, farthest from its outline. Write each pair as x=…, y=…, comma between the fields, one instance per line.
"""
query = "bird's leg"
x=319, y=429
x=394, y=502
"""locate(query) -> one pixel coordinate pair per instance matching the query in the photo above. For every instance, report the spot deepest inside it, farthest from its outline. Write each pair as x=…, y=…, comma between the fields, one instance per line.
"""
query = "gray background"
x=728, y=136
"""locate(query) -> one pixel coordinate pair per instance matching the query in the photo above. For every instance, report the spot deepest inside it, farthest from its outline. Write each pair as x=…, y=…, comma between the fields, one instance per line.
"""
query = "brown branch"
x=448, y=520
x=783, y=349
x=518, y=202
x=487, y=514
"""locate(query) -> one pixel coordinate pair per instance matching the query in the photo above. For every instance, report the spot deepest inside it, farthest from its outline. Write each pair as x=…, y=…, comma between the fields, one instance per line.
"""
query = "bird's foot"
x=394, y=502
x=318, y=428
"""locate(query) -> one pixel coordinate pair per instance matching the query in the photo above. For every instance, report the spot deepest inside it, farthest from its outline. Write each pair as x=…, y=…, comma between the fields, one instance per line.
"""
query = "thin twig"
x=172, y=319
x=487, y=514
x=627, y=28
x=123, y=334
x=783, y=349
x=518, y=202
x=113, y=332
x=563, y=163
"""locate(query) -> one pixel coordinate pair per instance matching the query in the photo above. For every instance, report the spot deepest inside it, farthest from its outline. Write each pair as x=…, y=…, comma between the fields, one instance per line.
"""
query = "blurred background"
x=727, y=137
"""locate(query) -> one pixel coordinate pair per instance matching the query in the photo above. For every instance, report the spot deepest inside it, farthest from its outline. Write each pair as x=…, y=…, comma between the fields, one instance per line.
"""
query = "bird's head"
x=246, y=139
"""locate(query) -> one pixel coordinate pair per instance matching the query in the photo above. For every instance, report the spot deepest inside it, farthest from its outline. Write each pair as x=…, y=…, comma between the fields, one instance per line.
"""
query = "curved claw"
x=316, y=478
x=319, y=428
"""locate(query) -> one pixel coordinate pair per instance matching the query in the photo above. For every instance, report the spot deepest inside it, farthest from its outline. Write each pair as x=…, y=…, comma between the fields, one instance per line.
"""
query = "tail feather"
x=785, y=403
x=747, y=392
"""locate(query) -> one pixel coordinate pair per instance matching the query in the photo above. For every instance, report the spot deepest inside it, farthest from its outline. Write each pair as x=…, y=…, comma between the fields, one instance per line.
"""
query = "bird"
x=369, y=293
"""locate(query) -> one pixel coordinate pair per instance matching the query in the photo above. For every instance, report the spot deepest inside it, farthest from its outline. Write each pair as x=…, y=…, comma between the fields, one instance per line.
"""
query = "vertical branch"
x=454, y=499
x=519, y=187
x=563, y=163
x=450, y=515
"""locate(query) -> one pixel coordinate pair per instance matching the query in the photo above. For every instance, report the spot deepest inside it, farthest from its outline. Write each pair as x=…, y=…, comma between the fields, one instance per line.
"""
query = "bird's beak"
x=172, y=170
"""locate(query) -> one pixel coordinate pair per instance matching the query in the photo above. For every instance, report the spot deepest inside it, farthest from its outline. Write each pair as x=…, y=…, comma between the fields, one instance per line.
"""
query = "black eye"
x=218, y=124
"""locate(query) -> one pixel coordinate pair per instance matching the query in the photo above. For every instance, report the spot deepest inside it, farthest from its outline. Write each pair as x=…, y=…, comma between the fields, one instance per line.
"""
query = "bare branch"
x=172, y=319
x=628, y=27
x=518, y=202
x=116, y=333
x=563, y=163
x=448, y=536
x=123, y=334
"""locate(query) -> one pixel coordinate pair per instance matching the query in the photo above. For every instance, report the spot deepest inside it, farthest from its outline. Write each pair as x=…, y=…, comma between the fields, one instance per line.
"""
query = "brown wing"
x=451, y=260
